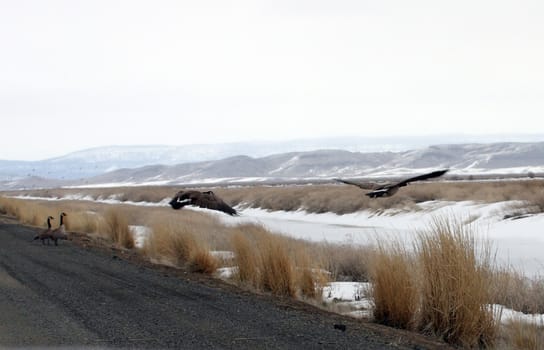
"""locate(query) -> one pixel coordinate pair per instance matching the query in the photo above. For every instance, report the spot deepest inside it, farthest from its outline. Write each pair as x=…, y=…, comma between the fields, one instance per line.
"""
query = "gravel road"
x=78, y=295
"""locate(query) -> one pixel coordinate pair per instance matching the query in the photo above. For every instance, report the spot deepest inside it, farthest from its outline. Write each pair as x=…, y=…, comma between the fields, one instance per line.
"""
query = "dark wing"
x=209, y=200
x=422, y=177
x=363, y=185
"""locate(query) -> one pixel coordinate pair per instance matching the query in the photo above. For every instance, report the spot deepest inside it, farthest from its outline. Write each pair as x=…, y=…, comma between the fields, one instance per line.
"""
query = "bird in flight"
x=207, y=199
x=387, y=190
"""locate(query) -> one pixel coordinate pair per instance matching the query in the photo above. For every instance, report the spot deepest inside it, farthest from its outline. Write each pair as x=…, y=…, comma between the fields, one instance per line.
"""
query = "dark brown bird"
x=389, y=189
x=208, y=200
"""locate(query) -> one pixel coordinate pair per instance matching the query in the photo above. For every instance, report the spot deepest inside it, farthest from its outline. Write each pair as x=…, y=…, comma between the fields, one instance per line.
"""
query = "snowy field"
x=519, y=242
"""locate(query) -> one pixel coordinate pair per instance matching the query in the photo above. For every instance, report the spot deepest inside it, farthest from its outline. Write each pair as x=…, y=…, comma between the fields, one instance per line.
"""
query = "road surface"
x=78, y=295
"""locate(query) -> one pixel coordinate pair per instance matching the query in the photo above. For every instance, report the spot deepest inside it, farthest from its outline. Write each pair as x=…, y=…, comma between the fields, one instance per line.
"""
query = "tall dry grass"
x=524, y=336
x=246, y=259
x=455, y=285
x=336, y=198
x=394, y=285
x=277, y=266
x=178, y=245
x=116, y=228
x=274, y=263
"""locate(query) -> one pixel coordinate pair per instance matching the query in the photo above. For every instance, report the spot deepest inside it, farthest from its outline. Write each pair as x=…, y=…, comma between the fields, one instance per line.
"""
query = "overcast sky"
x=79, y=74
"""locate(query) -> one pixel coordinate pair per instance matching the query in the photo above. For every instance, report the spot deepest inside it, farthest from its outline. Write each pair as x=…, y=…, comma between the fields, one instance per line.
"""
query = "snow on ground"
x=355, y=297
x=519, y=242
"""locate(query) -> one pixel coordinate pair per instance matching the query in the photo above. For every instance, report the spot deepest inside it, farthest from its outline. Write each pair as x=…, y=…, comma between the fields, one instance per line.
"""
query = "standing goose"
x=45, y=234
x=206, y=200
x=387, y=190
x=59, y=232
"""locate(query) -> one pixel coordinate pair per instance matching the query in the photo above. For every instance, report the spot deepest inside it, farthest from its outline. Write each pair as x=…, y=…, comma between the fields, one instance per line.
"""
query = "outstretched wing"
x=211, y=201
x=422, y=177
x=207, y=200
x=363, y=185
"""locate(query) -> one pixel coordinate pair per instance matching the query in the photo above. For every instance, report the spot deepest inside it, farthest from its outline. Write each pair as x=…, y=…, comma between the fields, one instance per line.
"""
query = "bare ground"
x=83, y=293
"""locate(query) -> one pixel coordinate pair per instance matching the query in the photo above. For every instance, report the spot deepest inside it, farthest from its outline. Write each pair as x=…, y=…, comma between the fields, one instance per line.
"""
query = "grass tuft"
x=455, y=285
x=246, y=258
x=394, y=286
x=277, y=267
x=116, y=228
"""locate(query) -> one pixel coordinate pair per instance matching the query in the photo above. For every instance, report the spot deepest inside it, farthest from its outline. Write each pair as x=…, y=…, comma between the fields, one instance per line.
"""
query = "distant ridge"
x=506, y=158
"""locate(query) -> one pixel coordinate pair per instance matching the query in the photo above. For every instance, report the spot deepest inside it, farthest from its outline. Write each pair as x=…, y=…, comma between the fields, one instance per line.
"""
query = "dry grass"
x=394, y=285
x=202, y=261
x=455, y=285
x=524, y=336
x=518, y=292
x=345, y=262
x=178, y=245
x=246, y=259
x=336, y=198
x=170, y=242
x=275, y=263
x=310, y=278
x=116, y=228
x=277, y=266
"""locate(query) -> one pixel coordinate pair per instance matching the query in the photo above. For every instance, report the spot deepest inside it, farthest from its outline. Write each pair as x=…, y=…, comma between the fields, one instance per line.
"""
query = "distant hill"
x=463, y=159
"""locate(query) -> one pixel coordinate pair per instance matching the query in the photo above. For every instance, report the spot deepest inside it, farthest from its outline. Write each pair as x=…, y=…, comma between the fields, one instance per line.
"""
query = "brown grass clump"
x=202, y=261
x=116, y=228
x=518, y=292
x=176, y=244
x=311, y=279
x=394, y=286
x=345, y=262
x=277, y=267
x=275, y=263
x=170, y=243
x=455, y=285
x=524, y=336
x=246, y=258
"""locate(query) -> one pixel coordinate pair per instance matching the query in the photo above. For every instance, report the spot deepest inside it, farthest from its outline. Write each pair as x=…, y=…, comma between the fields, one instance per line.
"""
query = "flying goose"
x=59, y=232
x=206, y=200
x=387, y=190
x=45, y=234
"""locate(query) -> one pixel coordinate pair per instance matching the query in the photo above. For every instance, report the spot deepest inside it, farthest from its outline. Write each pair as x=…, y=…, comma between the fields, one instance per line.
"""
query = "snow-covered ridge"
x=163, y=165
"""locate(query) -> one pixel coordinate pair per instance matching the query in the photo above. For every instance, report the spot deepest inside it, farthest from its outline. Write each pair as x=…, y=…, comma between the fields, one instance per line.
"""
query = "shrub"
x=116, y=228
x=455, y=285
x=277, y=267
x=202, y=261
x=246, y=258
x=394, y=286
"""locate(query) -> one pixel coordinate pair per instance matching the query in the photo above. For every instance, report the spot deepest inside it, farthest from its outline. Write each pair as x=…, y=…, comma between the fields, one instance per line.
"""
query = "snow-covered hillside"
x=173, y=165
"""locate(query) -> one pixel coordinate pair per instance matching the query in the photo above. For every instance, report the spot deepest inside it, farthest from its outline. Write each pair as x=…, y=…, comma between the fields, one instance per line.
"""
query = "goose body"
x=387, y=190
x=59, y=232
x=207, y=199
x=45, y=234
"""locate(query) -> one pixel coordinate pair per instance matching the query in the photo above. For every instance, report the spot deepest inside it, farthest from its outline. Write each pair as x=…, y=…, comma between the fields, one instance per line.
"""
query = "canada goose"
x=387, y=190
x=59, y=232
x=45, y=234
x=206, y=200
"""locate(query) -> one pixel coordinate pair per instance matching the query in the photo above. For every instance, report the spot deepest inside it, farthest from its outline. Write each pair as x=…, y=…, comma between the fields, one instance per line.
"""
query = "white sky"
x=78, y=74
